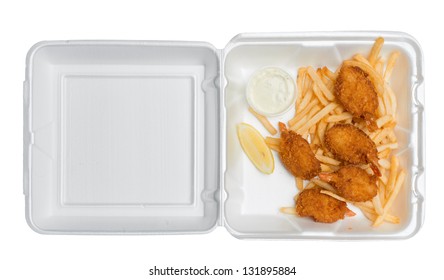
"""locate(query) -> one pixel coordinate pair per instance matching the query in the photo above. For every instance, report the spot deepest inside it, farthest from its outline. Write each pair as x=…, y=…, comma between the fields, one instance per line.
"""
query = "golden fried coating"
x=323, y=208
x=350, y=144
x=357, y=93
x=352, y=183
x=297, y=156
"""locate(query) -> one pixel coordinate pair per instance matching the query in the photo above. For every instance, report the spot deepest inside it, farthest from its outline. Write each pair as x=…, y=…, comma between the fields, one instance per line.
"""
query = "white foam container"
x=138, y=137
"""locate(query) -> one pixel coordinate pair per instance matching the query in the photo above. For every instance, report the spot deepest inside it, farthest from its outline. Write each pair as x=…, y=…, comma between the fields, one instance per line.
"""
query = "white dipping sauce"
x=270, y=91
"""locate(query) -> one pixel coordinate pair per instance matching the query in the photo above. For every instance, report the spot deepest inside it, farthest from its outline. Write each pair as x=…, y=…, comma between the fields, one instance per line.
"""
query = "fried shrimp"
x=357, y=93
x=352, y=183
x=350, y=144
x=321, y=207
x=297, y=156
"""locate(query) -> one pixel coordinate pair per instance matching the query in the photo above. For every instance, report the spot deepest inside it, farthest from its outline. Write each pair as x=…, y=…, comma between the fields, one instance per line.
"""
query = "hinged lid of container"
x=122, y=137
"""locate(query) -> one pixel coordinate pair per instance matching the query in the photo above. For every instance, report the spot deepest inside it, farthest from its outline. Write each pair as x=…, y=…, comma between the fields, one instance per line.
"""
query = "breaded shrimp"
x=323, y=208
x=352, y=183
x=350, y=144
x=357, y=93
x=296, y=155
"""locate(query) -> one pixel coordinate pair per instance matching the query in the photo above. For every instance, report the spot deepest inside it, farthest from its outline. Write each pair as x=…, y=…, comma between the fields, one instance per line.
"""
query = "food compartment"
x=122, y=137
x=253, y=198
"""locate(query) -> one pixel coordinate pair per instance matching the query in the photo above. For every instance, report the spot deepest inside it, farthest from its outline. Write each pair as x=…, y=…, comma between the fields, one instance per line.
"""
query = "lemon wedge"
x=255, y=148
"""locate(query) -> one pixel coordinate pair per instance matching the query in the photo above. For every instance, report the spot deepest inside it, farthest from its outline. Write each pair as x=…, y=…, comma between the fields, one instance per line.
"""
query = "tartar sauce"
x=270, y=91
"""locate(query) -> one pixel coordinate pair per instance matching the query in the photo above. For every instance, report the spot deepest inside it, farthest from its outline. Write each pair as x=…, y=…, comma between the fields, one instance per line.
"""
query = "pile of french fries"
x=317, y=110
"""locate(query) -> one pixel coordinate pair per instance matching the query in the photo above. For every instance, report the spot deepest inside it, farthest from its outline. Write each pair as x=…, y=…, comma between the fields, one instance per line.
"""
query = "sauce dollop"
x=271, y=91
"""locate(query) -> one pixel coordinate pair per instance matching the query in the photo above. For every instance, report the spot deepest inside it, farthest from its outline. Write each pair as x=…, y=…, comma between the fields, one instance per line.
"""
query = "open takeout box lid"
x=137, y=137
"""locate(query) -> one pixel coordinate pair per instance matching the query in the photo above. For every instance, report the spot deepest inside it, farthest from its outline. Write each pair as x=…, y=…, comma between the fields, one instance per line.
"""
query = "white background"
x=25, y=254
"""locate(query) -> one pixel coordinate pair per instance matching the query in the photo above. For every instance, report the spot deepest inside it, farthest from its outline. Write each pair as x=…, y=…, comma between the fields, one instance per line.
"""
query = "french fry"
x=305, y=100
x=391, y=146
x=314, y=111
x=317, y=92
x=361, y=58
x=381, y=135
x=339, y=110
x=308, y=84
x=323, y=184
x=265, y=122
x=329, y=193
x=300, y=123
x=327, y=82
x=326, y=168
x=360, y=125
x=392, y=97
x=322, y=126
x=273, y=141
x=394, y=165
x=381, y=107
x=384, y=163
x=366, y=131
x=376, y=49
x=348, y=121
x=391, y=136
x=328, y=160
x=299, y=183
x=375, y=133
x=300, y=115
x=387, y=103
x=368, y=215
x=383, y=178
x=366, y=204
x=399, y=182
x=288, y=210
x=317, y=80
x=368, y=169
x=390, y=65
x=315, y=142
x=379, y=66
x=384, y=154
x=332, y=76
x=381, y=192
x=377, y=204
x=390, y=124
x=310, y=185
x=299, y=85
x=330, y=125
x=322, y=113
x=372, y=215
x=275, y=148
x=338, y=118
x=297, y=103
x=312, y=131
x=383, y=120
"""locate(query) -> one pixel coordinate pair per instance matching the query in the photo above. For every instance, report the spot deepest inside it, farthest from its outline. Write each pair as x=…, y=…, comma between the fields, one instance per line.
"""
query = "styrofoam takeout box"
x=138, y=137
